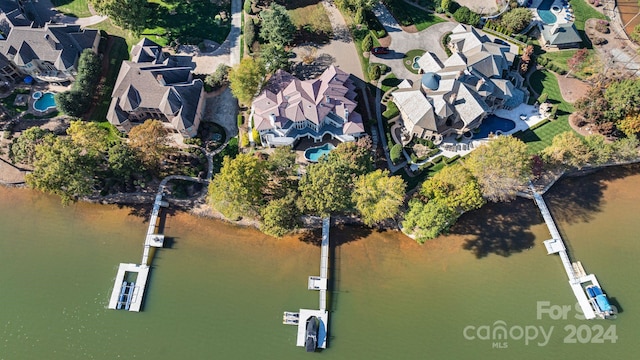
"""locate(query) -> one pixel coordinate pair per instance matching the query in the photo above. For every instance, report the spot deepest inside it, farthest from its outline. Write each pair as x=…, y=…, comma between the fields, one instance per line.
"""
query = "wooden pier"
x=578, y=278
x=130, y=298
x=315, y=283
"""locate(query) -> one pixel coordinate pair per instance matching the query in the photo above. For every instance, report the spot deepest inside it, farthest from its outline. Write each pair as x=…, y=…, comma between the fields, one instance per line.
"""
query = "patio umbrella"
x=28, y=80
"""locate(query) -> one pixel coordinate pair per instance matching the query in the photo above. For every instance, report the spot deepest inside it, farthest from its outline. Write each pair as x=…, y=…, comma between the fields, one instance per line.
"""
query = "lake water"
x=219, y=291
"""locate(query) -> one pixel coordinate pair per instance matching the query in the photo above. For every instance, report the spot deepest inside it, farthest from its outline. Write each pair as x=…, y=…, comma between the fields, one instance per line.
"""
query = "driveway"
x=401, y=42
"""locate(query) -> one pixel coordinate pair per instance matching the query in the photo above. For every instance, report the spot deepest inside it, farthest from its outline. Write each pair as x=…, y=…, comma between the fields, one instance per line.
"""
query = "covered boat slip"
x=323, y=318
x=134, y=296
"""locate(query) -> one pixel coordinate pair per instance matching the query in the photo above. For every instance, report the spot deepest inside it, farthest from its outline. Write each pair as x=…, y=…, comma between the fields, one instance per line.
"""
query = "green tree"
x=374, y=72
x=124, y=162
x=255, y=134
x=280, y=216
x=274, y=58
x=600, y=151
x=218, y=78
x=568, y=149
x=277, y=27
x=76, y=101
x=396, y=153
x=428, y=220
x=326, y=188
x=151, y=141
x=501, y=167
x=355, y=155
x=456, y=186
x=236, y=191
x=246, y=78
x=378, y=196
x=623, y=98
x=625, y=149
x=446, y=5
x=23, y=148
x=90, y=137
x=367, y=43
x=630, y=125
x=281, y=167
x=515, y=20
x=466, y=16
x=128, y=14
x=63, y=170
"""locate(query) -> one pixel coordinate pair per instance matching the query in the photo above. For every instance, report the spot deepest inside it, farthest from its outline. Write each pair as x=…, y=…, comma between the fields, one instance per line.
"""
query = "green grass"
x=389, y=82
x=560, y=58
x=114, y=134
x=114, y=30
x=409, y=57
x=407, y=15
x=75, y=8
x=545, y=82
x=582, y=12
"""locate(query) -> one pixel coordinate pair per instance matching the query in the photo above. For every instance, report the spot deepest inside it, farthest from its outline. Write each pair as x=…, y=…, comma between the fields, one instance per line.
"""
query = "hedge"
x=240, y=120
x=539, y=124
x=451, y=159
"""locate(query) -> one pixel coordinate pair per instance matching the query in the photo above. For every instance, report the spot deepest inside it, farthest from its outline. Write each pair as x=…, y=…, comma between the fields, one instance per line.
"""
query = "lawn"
x=75, y=8
x=407, y=15
x=590, y=67
x=545, y=82
x=408, y=59
x=114, y=30
x=583, y=11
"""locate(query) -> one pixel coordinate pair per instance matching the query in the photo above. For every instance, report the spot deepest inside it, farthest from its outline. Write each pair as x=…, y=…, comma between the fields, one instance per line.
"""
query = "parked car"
x=380, y=50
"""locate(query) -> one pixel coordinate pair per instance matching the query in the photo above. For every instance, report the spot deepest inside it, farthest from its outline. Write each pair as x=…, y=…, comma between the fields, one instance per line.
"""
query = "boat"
x=599, y=300
x=311, y=342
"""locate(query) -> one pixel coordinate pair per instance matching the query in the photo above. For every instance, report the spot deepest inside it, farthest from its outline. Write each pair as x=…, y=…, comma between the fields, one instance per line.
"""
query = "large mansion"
x=455, y=95
x=289, y=109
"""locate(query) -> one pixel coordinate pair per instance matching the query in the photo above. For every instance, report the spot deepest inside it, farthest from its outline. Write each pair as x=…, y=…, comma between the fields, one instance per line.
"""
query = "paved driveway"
x=401, y=42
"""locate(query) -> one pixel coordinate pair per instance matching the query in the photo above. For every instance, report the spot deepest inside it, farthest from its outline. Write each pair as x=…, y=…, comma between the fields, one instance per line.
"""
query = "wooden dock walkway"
x=575, y=271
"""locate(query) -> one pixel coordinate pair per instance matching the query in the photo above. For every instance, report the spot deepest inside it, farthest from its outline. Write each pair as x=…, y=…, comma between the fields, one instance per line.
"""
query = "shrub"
x=244, y=139
x=437, y=159
x=247, y=7
x=392, y=110
x=256, y=137
x=374, y=72
x=218, y=78
x=466, y=16
x=451, y=159
x=543, y=98
x=396, y=153
x=602, y=26
x=539, y=124
x=359, y=17
x=554, y=110
x=240, y=120
x=249, y=32
x=367, y=43
x=599, y=41
x=414, y=158
x=380, y=33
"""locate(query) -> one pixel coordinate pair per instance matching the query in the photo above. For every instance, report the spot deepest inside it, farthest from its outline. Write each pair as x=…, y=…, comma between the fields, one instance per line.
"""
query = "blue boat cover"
x=590, y=292
x=597, y=291
x=603, y=303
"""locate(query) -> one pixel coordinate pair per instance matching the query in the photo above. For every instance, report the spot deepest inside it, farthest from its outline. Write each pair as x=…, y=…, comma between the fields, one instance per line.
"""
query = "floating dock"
x=578, y=278
x=126, y=296
x=315, y=283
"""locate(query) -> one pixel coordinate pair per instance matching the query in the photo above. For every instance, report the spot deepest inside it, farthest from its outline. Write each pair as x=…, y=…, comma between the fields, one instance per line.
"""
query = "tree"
x=326, y=188
x=277, y=27
x=625, y=149
x=623, y=98
x=89, y=136
x=151, y=141
x=396, y=153
x=76, y=101
x=428, y=220
x=218, y=78
x=367, y=43
x=246, y=78
x=515, y=20
x=377, y=196
x=129, y=14
x=600, y=151
x=280, y=216
x=446, y=5
x=281, y=166
x=62, y=169
x=456, y=186
x=274, y=58
x=374, y=72
x=124, y=161
x=71, y=102
x=466, y=16
x=592, y=106
x=568, y=149
x=236, y=191
x=576, y=62
x=23, y=148
x=630, y=125
x=356, y=156
x=501, y=167
x=525, y=60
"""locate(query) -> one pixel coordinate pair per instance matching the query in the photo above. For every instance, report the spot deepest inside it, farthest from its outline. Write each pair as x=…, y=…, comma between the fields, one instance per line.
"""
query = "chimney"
x=160, y=79
x=479, y=84
x=327, y=99
x=452, y=98
x=272, y=120
x=346, y=114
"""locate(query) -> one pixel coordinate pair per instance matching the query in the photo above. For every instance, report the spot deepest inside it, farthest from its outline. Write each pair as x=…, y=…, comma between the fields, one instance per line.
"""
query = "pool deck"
x=560, y=16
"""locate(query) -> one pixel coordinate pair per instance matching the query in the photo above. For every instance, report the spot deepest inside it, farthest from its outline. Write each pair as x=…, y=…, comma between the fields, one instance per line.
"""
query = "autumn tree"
x=377, y=196
x=276, y=27
x=592, y=106
x=501, y=167
x=630, y=125
x=236, y=191
x=151, y=141
x=90, y=137
x=23, y=148
x=355, y=155
x=576, y=62
x=568, y=149
x=246, y=79
x=525, y=60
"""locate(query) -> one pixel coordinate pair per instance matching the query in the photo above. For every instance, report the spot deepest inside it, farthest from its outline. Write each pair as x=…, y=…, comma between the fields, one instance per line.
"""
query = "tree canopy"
x=378, y=196
x=280, y=216
x=129, y=14
x=515, y=20
x=246, y=79
x=428, y=220
x=76, y=101
x=326, y=188
x=236, y=191
x=502, y=166
x=274, y=58
x=23, y=148
x=354, y=155
x=89, y=136
x=466, y=16
x=277, y=28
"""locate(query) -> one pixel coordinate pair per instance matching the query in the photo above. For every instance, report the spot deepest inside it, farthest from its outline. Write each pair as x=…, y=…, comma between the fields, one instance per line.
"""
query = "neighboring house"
x=289, y=109
x=455, y=96
x=155, y=85
x=48, y=53
x=8, y=72
x=562, y=36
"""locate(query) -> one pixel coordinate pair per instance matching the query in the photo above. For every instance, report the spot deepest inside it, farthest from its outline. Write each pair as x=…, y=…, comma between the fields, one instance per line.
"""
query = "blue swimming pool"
x=545, y=13
x=45, y=102
x=315, y=153
x=492, y=124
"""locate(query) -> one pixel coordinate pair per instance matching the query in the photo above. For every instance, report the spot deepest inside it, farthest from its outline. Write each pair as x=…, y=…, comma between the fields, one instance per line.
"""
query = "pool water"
x=415, y=63
x=45, y=102
x=315, y=153
x=492, y=124
x=545, y=13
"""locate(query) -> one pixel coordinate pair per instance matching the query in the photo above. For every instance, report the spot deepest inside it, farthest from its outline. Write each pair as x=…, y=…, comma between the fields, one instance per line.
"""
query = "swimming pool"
x=415, y=65
x=45, y=102
x=545, y=12
x=315, y=153
x=494, y=124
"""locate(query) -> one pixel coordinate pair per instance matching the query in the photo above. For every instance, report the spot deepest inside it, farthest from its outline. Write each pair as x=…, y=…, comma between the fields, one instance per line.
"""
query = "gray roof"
x=561, y=34
x=154, y=80
x=61, y=45
x=431, y=80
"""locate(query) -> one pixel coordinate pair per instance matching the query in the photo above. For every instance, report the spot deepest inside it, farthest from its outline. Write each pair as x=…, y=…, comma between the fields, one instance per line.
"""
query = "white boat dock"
x=575, y=271
x=134, y=294
x=315, y=283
